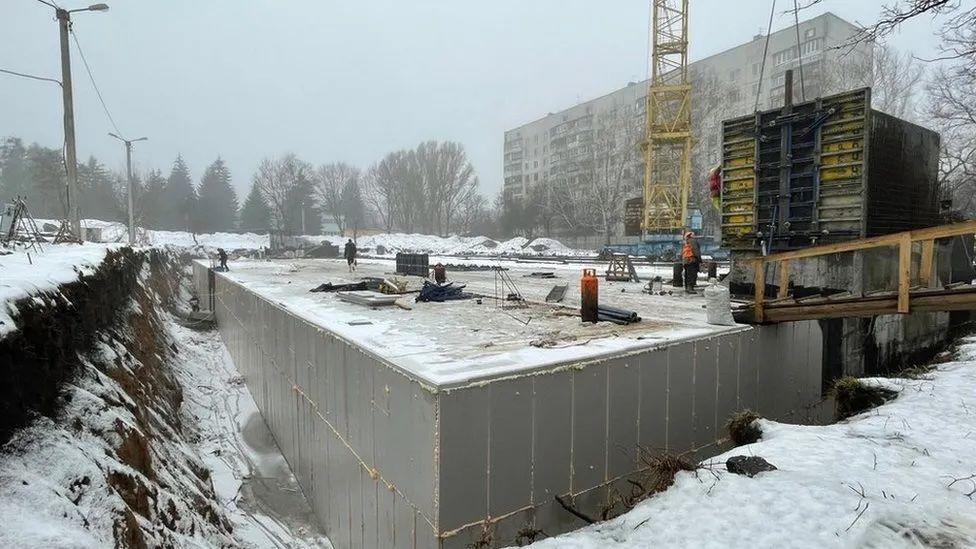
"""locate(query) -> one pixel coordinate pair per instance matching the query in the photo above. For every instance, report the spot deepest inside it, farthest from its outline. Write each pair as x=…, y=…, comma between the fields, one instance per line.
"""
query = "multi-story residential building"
x=559, y=146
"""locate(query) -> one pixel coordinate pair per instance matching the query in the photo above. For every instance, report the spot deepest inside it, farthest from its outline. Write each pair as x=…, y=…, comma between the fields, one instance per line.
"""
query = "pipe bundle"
x=606, y=313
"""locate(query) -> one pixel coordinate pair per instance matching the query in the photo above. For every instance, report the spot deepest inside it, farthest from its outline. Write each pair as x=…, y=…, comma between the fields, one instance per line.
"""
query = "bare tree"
x=952, y=110
x=330, y=181
x=277, y=178
x=895, y=79
x=616, y=163
x=382, y=185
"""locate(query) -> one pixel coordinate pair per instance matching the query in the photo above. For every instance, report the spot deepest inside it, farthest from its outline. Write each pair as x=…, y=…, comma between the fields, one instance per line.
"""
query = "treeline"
x=432, y=188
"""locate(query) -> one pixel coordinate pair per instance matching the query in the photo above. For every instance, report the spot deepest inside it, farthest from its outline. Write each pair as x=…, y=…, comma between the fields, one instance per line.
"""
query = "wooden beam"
x=904, y=272
x=784, y=279
x=759, y=279
x=928, y=260
x=944, y=231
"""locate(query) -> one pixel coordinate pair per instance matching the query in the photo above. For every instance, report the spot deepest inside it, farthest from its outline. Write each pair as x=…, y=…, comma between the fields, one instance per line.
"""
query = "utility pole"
x=128, y=172
x=70, y=156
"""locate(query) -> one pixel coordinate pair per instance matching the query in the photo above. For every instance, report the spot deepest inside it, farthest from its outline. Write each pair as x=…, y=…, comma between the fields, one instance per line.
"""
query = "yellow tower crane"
x=667, y=148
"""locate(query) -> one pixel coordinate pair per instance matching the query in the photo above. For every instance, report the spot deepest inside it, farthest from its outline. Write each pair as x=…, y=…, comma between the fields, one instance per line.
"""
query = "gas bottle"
x=589, y=295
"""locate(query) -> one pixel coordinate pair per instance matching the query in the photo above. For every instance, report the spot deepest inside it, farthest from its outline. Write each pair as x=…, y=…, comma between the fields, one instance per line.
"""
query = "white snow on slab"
x=451, y=343
x=29, y=273
x=901, y=475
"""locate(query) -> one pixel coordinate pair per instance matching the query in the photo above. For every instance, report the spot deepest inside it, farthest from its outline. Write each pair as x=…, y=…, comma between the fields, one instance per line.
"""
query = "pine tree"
x=47, y=196
x=217, y=203
x=97, y=198
x=150, y=208
x=255, y=214
x=299, y=201
x=14, y=177
x=179, y=198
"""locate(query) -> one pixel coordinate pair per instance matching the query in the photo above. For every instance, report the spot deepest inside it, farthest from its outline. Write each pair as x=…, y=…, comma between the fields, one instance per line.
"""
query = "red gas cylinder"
x=589, y=295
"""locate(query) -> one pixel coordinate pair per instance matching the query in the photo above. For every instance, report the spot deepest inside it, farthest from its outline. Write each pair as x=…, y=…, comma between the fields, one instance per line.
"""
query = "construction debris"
x=368, y=298
x=540, y=274
x=351, y=287
x=472, y=267
x=439, y=293
x=557, y=293
x=606, y=313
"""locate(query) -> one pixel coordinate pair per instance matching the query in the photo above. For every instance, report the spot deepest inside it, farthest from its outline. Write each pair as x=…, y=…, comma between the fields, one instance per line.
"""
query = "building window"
x=536, y=164
x=813, y=46
x=810, y=33
x=734, y=75
x=755, y=69
x=785, y=56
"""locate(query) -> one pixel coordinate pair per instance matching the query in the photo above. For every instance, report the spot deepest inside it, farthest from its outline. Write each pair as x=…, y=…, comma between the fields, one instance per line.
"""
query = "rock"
x=749, y=466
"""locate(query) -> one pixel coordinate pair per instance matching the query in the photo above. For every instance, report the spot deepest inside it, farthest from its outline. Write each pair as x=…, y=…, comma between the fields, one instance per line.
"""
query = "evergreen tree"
x=150, y=208
x=217, y=203
x=299, y=205
x=14, y=176
x=255, y=214
x=47, y=195
x=97, y=198
x=179, y=198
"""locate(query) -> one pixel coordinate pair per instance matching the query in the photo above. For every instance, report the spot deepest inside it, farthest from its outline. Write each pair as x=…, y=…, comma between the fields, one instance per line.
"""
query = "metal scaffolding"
x=667, y=150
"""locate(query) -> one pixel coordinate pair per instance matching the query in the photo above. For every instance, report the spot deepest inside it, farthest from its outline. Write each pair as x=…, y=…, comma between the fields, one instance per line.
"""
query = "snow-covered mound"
x=390, y=244
x=901, y=475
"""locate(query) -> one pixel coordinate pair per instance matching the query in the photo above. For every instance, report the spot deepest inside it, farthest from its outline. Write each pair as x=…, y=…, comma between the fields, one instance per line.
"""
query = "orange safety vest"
x=687, y=252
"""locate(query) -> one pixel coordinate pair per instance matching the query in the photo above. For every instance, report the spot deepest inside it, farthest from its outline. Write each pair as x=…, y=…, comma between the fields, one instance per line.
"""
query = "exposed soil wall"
x=86, y=377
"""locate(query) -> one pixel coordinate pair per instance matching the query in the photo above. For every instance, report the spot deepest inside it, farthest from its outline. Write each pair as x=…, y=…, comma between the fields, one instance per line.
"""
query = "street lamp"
x=70, y=154
x=128, y=172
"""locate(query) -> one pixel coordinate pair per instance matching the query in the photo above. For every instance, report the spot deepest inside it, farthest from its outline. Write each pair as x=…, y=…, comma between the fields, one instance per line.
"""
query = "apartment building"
x=557, y=147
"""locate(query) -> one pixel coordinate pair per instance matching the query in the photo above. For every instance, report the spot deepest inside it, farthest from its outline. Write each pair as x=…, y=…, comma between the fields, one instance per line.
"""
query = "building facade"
x=558, y=148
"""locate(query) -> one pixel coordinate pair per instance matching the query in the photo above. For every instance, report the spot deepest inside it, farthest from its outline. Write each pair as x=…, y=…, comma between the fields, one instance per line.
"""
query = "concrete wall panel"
x=510, y=446
x=624, y=410
x=681, y=380
x=727, y=385
x=589, y=426
x=552, y=427
x=464, y=451
x=705, y=385
x=653, y=431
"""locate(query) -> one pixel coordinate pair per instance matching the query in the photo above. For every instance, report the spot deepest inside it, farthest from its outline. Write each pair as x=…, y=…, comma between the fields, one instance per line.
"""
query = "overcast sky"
x=347, y=81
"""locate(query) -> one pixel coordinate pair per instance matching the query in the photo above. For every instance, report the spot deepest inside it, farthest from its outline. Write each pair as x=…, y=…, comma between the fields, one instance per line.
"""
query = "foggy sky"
x=344, y=81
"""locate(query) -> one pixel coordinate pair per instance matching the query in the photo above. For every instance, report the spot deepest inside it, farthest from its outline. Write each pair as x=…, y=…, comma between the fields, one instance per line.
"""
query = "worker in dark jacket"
x=691, y=259
x=222, y=256
x=350, y=255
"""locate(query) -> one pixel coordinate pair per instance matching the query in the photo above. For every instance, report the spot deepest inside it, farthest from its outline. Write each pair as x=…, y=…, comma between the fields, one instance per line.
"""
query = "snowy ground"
x=902, y=475
x=24, y=273
x=252, y=479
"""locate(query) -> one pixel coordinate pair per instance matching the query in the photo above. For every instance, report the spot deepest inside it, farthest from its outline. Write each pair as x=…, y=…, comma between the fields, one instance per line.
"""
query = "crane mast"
x=667, y=148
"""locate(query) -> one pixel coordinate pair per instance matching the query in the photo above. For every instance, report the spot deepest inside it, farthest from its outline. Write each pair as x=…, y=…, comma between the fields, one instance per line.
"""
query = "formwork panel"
x=553, y=435
x=370, y=511
x=465, y=430
x=681, y=386
x=510, y=446
x=706, y=379
x=405, y=526
x=748, y=372
x=622, y=424
x=653, y=431
x=589, y=426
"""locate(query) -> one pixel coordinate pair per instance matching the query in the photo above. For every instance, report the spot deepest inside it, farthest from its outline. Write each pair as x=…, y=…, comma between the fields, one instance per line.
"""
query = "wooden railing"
x=903, y=241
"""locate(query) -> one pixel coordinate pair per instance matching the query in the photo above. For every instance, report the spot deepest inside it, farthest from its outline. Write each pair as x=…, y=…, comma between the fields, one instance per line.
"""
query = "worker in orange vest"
x=691, y=259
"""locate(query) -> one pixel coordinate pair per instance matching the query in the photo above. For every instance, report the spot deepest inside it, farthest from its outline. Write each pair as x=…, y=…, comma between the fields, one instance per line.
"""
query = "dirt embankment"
x=93, y=445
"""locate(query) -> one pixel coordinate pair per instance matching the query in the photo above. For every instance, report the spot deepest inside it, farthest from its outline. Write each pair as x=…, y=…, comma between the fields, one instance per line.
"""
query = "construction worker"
x=222, y=256
x=691, y=259
x=350, y=254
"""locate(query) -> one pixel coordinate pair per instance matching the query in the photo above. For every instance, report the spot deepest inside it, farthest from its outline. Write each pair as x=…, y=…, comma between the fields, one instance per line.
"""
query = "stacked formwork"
x=388, y=459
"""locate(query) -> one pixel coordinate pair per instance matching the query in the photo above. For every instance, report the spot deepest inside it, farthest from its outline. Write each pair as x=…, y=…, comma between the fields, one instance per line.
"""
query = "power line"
x=799, y=50
x=49, y=4
x=94, y=85
x=31, y=76
x=762, y=70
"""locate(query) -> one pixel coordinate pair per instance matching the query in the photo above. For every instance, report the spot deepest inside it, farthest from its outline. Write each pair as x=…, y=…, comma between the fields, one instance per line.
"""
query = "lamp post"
x=128, y=178
x=70, y=156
